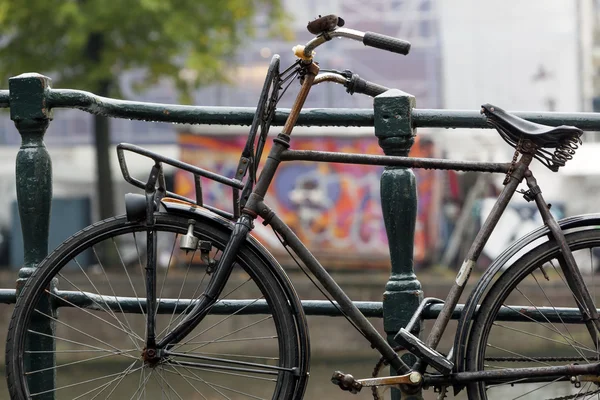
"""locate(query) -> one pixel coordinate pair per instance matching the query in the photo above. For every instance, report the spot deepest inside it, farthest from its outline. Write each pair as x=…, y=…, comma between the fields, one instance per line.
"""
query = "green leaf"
x=56, y=37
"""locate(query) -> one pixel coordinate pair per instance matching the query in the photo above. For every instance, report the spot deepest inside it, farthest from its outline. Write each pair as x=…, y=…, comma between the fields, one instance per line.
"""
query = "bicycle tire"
x=104, y=330
x=538, y=339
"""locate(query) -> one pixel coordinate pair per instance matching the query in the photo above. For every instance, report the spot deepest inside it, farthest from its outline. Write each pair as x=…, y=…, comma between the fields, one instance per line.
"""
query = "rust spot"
x=177, y=201
x=166, y=112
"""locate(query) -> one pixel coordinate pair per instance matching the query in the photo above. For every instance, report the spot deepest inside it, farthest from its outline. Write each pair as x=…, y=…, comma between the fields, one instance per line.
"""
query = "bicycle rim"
x=534, y=291
x=97, y=279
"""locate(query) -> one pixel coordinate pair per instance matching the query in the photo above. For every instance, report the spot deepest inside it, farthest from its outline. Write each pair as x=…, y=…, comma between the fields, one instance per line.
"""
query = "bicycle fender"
x=485, y=281
x=190, y=210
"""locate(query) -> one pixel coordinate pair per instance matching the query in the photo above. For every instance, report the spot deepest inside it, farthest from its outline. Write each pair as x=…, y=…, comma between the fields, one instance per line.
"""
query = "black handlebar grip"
x=388, y=43
x=369, y=88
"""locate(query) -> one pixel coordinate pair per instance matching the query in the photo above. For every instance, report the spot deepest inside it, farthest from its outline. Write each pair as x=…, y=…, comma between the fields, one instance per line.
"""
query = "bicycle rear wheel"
x=539, y=331
x=96, y=278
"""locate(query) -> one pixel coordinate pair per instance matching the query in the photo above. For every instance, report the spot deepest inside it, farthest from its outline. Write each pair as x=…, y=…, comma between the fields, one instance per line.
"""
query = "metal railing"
x=394, y=117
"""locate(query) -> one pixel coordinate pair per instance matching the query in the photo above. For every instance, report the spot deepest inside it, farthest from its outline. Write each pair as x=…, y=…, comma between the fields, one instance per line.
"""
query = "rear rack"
x=159, y=159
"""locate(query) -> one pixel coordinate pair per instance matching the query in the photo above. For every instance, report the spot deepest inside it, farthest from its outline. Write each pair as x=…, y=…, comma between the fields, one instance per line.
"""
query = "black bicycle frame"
x=255, y=207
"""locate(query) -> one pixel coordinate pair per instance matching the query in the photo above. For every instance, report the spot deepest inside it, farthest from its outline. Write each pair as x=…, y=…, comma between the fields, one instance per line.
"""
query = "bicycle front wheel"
x=93, y=346
x=530, y=318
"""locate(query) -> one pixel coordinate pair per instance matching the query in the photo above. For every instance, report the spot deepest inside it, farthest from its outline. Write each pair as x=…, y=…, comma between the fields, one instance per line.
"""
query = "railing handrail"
x=223, y=115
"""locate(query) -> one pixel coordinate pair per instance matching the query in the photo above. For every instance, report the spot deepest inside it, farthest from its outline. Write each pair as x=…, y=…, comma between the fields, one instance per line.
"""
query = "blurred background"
x=539, y=55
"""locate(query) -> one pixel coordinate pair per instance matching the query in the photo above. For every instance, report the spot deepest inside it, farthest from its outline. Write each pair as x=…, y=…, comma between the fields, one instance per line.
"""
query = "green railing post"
x=393, y=128
x=31, y=114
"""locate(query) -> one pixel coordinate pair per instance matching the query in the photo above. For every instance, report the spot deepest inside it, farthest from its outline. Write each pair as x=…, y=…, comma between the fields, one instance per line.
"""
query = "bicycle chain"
x=576, y=395
x=378, y=366
x=443, y=390
x=381, y=363
x=538, y=359
x=548, y=359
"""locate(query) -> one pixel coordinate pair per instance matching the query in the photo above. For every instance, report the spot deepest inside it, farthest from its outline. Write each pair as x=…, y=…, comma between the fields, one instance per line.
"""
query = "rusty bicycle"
x=227, y=323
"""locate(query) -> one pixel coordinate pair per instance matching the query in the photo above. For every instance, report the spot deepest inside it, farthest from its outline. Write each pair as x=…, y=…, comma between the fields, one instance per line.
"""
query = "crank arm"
x=348, y=383
x=412, y=378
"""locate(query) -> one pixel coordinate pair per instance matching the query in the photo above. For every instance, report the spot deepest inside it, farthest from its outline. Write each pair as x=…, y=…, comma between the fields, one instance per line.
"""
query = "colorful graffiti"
x=333, y=208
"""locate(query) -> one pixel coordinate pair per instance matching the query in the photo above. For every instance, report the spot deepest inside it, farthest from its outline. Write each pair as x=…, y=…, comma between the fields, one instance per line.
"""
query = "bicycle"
x=170, y=337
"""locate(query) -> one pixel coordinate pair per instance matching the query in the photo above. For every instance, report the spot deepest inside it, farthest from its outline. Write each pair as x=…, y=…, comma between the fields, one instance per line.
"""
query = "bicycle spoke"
x=91, y=314
x=161, y=378
x=185, y=378
x=103, y=386
x=72, y=341
x=86, y=381
x=579, y=304
x=520, y=355
x=235, y=288
x=594, y=300
x=547, y=320
x=557, y=314
x=536, y=389
x=142, y=385
x=107, y=309
x=75, y=329
x=232, y=333
x=168, y=327
x=217, y=323
x=162, y=287
x=207, y=383
x=542, y=337
x=117, y=385
x=540, y=324
x=112, y=289
x=223, y=297
x=78, y=362
x=129, y=277
x=235, y=340
x=236, y=391
x=488, y=387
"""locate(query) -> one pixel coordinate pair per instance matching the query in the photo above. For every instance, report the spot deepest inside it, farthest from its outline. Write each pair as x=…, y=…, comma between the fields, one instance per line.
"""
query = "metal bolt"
x=414, y=377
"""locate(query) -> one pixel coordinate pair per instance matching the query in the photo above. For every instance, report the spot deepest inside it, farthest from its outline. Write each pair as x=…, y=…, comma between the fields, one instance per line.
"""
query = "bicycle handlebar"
x=360, y=85
x=388, y=43
x=330, y=30
x=352, y=82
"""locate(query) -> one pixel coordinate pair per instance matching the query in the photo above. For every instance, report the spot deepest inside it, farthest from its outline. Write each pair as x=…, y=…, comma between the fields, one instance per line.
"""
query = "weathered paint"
x=393, y=128
x=425, y=118
x=91, y=103
x=31, y=115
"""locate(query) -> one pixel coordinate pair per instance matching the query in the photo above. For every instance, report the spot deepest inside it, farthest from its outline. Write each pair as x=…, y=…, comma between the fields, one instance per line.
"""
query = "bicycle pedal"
x=346, y=382
x=413, y=344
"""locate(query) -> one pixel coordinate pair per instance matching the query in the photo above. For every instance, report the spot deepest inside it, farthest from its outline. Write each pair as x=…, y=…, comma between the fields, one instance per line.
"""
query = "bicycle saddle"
x=563, y=139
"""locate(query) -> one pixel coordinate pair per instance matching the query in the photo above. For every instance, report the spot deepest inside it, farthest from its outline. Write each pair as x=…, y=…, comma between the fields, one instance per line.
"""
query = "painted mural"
x=333, y=208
